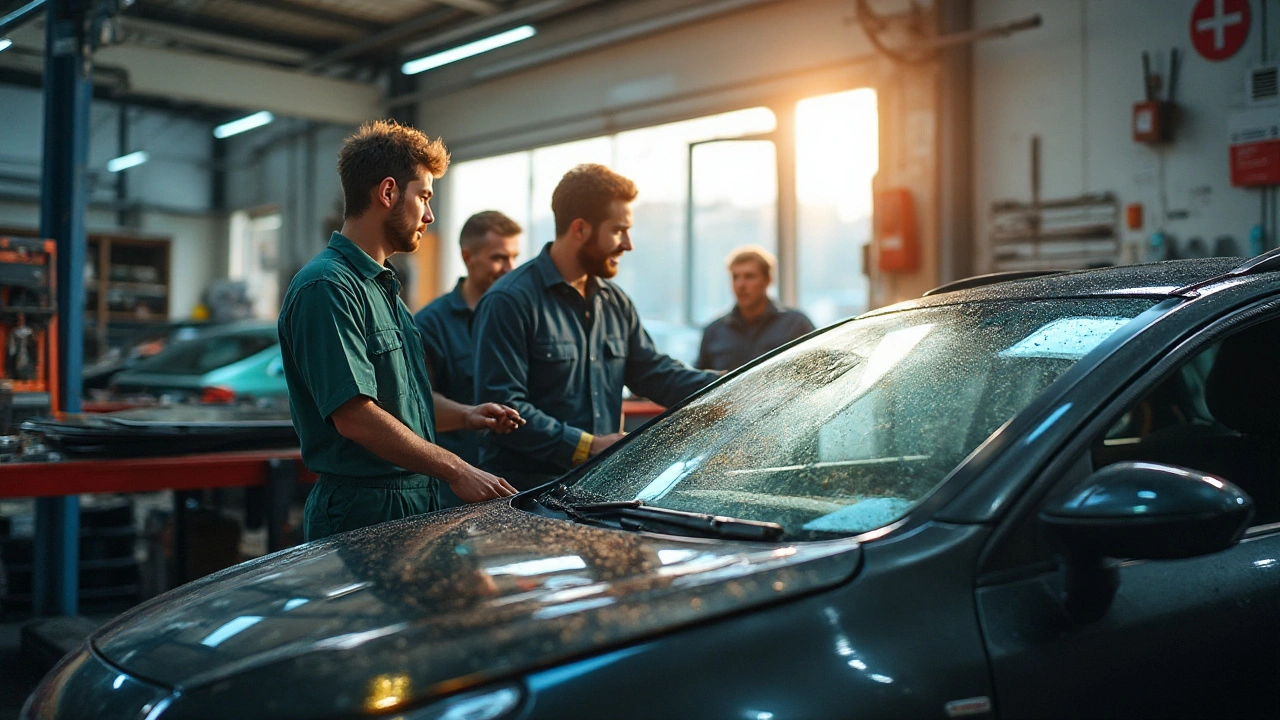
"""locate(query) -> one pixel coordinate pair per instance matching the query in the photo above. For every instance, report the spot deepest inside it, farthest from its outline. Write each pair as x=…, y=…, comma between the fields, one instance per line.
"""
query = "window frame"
x=1020, y=530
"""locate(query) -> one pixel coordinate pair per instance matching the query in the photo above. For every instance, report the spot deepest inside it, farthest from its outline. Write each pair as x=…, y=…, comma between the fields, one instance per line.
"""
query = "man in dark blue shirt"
x=490, y=243
x=756, y=324
x=557, y=341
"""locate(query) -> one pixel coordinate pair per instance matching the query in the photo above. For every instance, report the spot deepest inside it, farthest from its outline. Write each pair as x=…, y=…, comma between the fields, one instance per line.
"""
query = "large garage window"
x=656, y=274
x=707, y=185
x=837, y=155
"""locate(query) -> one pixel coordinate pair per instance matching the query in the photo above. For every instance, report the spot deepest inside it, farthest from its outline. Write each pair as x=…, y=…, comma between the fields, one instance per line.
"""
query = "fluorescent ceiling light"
x=413, y=67
x=5, y=43
x=235, y=127
x=124, y=162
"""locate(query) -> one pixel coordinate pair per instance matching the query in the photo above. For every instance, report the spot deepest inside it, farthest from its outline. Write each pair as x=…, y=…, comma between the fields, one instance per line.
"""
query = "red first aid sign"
x=1219, y=27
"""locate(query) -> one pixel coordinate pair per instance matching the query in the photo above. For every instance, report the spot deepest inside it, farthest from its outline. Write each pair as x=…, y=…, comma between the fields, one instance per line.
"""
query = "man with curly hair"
x=557, y=341
x=359, y=393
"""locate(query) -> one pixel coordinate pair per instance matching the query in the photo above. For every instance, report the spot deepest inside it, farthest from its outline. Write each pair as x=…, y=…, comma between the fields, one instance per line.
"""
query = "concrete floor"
x=21, y=671
x=17, y=676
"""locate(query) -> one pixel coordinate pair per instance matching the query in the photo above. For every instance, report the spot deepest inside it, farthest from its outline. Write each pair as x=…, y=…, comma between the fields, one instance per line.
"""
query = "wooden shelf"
x=129, y=273
x=129, y=317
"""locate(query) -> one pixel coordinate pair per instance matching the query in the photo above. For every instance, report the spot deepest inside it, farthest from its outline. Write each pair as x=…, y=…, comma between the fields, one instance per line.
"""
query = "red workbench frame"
x=180, y=473
x=129, y=475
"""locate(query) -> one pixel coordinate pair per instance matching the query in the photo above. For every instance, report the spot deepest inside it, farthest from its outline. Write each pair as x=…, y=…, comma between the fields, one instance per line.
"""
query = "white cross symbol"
x=1219, y=23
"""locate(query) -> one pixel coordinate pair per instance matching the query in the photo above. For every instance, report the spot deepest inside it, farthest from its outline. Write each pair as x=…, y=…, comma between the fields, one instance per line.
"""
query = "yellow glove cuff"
x=583, y=450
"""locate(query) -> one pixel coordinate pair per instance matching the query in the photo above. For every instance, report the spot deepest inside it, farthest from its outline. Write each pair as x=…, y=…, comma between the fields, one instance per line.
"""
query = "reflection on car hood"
x=437, y=603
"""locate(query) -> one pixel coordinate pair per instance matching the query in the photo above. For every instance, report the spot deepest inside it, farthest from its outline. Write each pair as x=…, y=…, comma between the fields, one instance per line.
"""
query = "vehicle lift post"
x=68, y=89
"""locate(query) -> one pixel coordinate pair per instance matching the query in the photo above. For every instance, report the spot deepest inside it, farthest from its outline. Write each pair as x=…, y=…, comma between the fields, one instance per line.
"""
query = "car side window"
x=1218, y=413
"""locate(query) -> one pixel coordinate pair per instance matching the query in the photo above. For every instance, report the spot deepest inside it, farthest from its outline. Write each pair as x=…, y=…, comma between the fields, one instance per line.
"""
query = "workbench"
x=276, y=471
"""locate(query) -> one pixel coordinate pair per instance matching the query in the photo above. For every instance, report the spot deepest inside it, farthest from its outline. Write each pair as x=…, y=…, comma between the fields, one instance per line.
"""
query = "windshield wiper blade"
x=702, y=523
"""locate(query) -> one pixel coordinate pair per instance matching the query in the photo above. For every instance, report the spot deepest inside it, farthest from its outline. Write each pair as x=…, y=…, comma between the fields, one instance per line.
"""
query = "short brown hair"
x=753, y=253
x=586, y=192
x=380, y=149
x=482, y=223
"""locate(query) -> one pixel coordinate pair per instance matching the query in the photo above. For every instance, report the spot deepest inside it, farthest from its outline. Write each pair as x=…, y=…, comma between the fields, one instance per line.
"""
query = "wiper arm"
x=702, y=523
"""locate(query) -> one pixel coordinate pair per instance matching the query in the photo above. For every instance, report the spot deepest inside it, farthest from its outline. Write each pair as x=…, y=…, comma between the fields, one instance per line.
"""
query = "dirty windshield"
x=848, y=431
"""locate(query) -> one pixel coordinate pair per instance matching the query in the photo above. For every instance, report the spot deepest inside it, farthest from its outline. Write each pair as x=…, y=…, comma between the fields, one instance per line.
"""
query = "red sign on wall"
x=1254, y=135
x=1219, y=27
x=1255, y=164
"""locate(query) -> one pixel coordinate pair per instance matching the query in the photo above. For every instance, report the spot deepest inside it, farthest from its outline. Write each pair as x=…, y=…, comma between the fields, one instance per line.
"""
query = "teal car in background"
x=229, y=364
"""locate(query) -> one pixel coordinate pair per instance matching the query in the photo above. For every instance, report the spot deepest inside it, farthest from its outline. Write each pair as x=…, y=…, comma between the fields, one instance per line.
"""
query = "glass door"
x=733, y=201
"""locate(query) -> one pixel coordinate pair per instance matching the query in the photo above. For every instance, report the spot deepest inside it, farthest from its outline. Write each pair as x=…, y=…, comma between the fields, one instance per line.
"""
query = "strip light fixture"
x=235, y=127
x=124, y=162
x=493, y=42
x=5, y=43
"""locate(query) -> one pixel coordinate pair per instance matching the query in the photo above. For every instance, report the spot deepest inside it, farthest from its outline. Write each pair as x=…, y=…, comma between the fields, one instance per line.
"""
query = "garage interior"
x=166, y=165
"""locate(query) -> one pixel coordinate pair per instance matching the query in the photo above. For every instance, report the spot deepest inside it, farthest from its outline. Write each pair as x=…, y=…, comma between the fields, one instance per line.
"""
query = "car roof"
x=239, y=327
x=1148, y=280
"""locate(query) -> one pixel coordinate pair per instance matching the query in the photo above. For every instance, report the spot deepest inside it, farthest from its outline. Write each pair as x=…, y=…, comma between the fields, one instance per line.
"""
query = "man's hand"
x=600, y=442
x=475, y=485
x=364, y=423
x=492, y=416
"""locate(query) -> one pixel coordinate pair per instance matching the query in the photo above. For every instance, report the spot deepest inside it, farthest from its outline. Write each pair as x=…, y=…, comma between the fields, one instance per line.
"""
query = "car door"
x=1197, y=637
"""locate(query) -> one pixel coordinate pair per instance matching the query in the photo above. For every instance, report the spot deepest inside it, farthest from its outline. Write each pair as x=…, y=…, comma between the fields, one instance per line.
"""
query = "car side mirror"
x=1139, y=511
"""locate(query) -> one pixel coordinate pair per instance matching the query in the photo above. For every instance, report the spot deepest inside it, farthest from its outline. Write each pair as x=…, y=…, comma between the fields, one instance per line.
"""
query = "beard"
x=595, y=260
x=402, y=230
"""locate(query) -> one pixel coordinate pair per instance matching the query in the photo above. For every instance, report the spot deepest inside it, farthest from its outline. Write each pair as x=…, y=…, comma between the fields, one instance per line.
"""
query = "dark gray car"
x=1054, y=496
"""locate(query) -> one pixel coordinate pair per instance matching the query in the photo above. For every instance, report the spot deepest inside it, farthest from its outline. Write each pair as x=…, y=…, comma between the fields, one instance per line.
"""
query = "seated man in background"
x=756, y=324
x=490, y=243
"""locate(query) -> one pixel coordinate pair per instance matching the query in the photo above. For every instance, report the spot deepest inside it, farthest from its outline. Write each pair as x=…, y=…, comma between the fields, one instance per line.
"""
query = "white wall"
x=795, y=48
x=173, y=190
x=291, y=166
x=1074, y=81
x=175, y=178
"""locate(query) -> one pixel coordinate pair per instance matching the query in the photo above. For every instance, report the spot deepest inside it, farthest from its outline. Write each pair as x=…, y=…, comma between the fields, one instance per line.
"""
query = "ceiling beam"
x=315, y=12
x=214, y=41
x=696, y=12
x=479, y=7
x=241, y=84
x=392, y=35
x=500, y=21
x=20, y=15
x=279, y=36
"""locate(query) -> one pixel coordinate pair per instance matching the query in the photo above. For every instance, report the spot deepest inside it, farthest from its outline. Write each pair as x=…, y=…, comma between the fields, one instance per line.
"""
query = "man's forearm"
x=543, y=439
x=364, y=423
x=450, y=414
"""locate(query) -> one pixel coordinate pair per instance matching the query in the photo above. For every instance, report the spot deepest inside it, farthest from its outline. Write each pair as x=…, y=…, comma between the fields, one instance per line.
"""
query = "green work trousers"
x=340, y=504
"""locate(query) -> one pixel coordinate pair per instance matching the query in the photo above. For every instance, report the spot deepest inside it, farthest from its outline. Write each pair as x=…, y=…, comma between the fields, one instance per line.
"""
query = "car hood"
x=437, y=603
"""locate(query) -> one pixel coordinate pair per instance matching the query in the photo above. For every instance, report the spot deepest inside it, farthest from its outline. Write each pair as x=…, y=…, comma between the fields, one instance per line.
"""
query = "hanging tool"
x=1153, y=117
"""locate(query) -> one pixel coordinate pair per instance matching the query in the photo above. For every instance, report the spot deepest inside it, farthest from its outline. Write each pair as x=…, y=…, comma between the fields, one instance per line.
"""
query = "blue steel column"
x=63, y=198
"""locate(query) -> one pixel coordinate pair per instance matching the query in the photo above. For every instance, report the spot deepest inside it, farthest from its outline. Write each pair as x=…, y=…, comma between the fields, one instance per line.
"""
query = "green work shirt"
x=345, y=332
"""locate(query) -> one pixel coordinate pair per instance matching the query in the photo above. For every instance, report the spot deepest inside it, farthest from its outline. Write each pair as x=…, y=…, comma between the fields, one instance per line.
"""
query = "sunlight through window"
x=837, y=155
